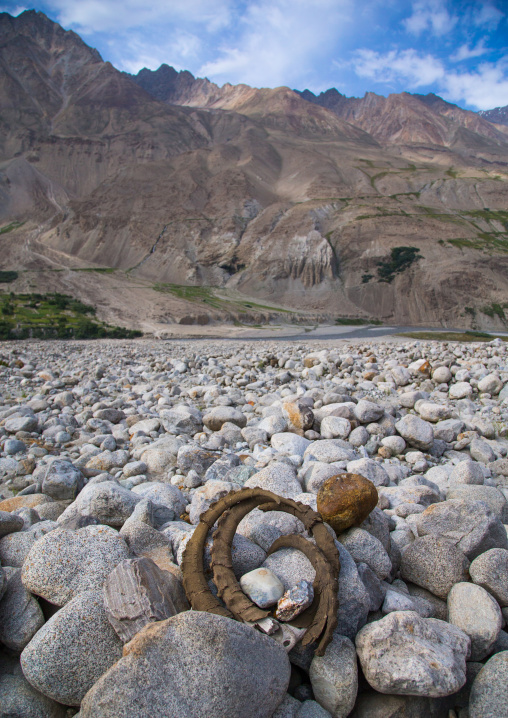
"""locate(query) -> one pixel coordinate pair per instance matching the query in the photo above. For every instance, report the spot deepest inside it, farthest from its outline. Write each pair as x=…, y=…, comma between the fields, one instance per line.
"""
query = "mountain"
x=499, y=115
x=166, y=199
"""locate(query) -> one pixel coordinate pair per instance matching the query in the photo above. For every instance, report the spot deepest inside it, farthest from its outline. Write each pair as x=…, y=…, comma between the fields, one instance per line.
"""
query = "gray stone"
x=18, y=699
x=107, y=502
x=466, y=472
x=274, y=424
x=375, y=588
x=9, y=523
x=488, y=494
x=334, y=677
x=490, y=570
x=20, y=613
x=192, y=457
x=14, y=446
x=440, y=609
x=221, y=467
x=434, y=563
x=294, y=601
x=289, y=444
x=406, y=654
x=290, y=566
x=62, y=480
x=366, y=411
x=429, y=411
x=489, y=693
x=262, y=586
x=277, y=477
x=64, y=563
x=335, y=427
x=416, y=431
x=137, y=592
x=376, y=705
x=218, y=668
x=448, y=430
x=367, y=548
x=219, y=415
x=354, y=599
x=473, y=610
x=378, y=524
x=288, y=708
x=164, y=494
x=471, y=525
x=371, y=470
x=481, y=451
x=14, y=548
x=311, y=709
x=72, y=650
x=329, y=451
x=181, y=419
x=398, y=600
x=21, y=423
x=206, y=495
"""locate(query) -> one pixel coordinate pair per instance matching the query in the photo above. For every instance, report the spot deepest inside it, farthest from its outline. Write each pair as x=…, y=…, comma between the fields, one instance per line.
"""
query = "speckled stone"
x=14, y=548
x=346, y=500
x=9, y=523
x=334, y=677
x=290, y=566
x=64, y=563
x=489, y=694
x=18, y=699
x=72, y=650
x=218, y=668
x=20, y=613
x=434, y=563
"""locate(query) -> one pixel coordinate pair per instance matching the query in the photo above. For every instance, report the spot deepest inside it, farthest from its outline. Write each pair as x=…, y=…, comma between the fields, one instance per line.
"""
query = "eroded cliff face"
x=287, y=198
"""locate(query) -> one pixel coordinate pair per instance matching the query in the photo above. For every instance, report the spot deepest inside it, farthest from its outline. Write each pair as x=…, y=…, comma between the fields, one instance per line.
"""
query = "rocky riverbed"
x=111, y=451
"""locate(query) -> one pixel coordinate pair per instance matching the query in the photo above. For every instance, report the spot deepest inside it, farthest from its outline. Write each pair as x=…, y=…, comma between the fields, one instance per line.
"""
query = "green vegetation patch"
x=401, y=258
x=207, y=295
x=10, y=227
x=495, y=310
x=53, y=316
x=7, y=276
x=356, y=321
x=99, y=270
x=453, y=336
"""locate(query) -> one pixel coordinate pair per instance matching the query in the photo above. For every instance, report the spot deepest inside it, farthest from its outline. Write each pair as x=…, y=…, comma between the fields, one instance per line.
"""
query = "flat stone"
x=334, y=677
x=346, y=500
x=218, y=668
x=434, y=563
x=354, y=599
x=262, y=586
x=416, y=431
x=64, y=563
x=30, y=501
x=137, y=592
x=406, y=654
x=219, y=415
x=72, y=650
x=473, y=610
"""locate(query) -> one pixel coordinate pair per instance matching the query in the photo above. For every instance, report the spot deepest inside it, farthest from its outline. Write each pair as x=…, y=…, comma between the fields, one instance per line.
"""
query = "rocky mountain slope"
x=498, y=115
x=275, y=201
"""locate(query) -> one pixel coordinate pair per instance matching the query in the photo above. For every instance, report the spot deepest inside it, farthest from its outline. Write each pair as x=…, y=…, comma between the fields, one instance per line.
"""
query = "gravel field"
x=110, y=451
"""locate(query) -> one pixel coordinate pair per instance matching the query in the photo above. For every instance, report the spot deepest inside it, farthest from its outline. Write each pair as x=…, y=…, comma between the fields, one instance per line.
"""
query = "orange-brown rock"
x=300, y=416
x=346, y=500
x=20, y=502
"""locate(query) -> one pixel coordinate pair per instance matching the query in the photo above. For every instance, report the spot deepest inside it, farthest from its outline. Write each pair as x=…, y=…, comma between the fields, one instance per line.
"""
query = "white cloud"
x=408, y=65
x=430, y=15
x=278, y=41
x=487, y=16
x=14, y=11
x=466, y=53
x=485, y=88
x=88, y=16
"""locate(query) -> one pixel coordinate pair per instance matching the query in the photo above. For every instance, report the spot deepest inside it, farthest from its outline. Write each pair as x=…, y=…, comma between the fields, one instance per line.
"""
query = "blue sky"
x=457, y=49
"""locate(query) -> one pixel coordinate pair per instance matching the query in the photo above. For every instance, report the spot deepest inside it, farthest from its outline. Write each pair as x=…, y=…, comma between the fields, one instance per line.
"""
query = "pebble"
x=490, y=570
x=473, y=610
x=262, y=586
x=334, y=677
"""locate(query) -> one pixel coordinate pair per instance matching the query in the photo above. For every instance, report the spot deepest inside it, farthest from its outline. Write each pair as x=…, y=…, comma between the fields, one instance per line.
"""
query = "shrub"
x=401, y=258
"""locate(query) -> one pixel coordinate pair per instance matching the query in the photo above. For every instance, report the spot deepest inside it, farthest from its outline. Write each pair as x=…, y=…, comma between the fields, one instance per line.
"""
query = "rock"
x=9, y=523
x=448, y=430
x=107, y=502
x=290, y=566
x=14, y=548
x=219, y=415
x=489, y=693
x=289, y=444
x=434, y=563
x=218, y=668
x=277, y=477
x=311, y=709
x=206, y=495
x=262, y=586
x=481, y=451
x=371, y=470
x=376, y=705
x=442, y=375
x=21, y=423
x=460, y=390
x=440, y=609
x=335, y=427
x=294, y=601
x=72, y=650
x=366, y=411
x=20, y=613
x=488, y=494
x=466, y=472
x=473, y=610
x=406, y=654
x=406, y=494
x=400, y=600
x=491, y=384
x=18, y=502
x=354, y=599
x=334, y=677
x=220, y=468
x=416, y=431
x=110, y=414
x=368, y=549
x=329, y=451
x=181, y=419
x=471, y=525
x=164, y=494
x=18, y=699
x=273, y=424
x=62, y=480
x=346, y=500
x=432, y=412
x=191, y=457
x=299, y=416
x=375, y=588
x=137, y=592
x=64, y=563
x=490, y=570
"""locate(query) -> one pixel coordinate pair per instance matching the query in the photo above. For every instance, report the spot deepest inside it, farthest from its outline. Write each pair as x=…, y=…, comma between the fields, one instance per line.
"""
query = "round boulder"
x=346, y=500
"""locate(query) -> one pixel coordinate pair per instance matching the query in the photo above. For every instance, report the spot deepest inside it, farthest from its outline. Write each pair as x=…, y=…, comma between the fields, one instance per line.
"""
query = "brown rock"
x=300, y=416
x=346, y=500
x=137, y=592
x=29, y=501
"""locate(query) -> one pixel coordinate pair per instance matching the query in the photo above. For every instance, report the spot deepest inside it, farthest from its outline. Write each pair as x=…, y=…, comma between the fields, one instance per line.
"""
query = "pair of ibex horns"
x=320, y=619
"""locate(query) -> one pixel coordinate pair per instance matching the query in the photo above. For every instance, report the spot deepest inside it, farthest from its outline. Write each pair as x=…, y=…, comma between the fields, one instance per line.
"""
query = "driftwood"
x=320, y=618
